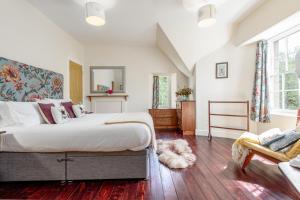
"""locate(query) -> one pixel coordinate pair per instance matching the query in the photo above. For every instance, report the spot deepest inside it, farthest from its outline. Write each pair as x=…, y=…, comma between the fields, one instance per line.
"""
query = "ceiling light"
x=94, y=13
x=207, y=16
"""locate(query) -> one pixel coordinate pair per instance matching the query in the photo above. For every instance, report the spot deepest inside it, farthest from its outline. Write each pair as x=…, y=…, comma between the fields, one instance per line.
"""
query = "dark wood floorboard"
x=214, y=176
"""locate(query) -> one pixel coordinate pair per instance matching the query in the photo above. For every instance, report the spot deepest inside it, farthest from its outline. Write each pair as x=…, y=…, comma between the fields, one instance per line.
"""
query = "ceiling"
x=132, y=22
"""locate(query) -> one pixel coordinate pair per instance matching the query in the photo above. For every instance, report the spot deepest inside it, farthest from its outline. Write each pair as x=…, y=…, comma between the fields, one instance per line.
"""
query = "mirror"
x=106, y=78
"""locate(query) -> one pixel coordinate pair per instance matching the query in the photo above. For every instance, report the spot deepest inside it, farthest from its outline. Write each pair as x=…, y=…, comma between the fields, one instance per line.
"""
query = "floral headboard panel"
x=21, y=82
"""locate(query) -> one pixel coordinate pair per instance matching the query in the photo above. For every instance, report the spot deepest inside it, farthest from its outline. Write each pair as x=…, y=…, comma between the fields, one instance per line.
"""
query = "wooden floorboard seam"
x=208, y=168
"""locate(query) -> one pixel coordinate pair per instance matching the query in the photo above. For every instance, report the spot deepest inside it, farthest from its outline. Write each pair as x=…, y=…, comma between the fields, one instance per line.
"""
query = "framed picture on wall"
x=222, y=70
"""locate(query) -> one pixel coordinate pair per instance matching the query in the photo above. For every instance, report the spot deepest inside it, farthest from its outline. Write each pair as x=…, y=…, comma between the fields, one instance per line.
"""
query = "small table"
x=292, y=174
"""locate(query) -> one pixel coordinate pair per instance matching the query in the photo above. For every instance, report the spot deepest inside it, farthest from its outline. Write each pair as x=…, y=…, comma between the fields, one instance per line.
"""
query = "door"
x=75, y=82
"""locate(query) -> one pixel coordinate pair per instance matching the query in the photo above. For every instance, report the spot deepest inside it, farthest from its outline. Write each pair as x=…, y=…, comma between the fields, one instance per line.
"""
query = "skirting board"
x=222, y=134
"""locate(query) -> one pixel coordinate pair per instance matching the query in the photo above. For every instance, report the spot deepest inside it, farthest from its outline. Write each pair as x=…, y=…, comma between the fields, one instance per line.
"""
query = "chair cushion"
x=270, y=136
x=290, y=137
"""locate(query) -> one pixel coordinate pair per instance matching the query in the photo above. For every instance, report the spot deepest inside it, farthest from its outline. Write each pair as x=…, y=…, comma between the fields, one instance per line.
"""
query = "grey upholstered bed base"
x=74, y=166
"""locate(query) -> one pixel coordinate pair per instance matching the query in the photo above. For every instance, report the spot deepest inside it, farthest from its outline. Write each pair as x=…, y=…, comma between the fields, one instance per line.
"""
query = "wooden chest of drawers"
x=186, y=114
x=164, y=118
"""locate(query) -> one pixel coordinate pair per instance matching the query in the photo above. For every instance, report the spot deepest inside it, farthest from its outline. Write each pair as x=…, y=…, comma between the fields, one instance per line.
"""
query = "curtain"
x=155, y=96
x=260, y=110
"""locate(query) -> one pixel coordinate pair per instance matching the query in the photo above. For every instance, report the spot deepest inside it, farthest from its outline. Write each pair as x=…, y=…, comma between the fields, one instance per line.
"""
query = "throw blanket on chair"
x=240, y=152
x=140, y=118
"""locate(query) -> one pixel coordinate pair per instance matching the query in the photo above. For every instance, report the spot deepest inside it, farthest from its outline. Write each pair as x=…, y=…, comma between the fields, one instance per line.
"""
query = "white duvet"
x=88, y=133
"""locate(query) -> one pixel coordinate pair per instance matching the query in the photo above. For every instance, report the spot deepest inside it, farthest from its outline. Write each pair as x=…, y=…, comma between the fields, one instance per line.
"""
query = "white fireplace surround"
x=103, y=103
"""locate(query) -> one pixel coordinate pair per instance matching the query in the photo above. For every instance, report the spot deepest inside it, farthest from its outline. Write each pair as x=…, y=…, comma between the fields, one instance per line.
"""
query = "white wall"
x=140, y=62
x=237, y=87
x=27, y=36
x=280, y=121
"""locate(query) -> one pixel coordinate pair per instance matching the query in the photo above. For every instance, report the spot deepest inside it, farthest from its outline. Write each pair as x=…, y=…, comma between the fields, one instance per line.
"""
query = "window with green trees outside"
x=284, y=89
x=164, y=91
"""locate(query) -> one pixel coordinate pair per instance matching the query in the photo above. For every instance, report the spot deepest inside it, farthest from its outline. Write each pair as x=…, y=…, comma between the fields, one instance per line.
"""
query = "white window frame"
x=271, y=61
x=169, y=75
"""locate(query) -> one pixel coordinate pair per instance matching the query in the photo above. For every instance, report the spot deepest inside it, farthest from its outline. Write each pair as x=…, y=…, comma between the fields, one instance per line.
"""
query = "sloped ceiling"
x=193, y=43
x=165, y=45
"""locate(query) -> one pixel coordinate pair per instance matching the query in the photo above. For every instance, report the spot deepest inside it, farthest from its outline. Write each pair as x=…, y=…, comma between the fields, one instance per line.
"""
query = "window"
x=284, y=88
x=164, y=92
x=163, y=86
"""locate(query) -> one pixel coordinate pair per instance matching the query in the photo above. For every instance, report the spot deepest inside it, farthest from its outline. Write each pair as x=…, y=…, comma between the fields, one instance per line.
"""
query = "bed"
x=81, y=149
x=95, y=146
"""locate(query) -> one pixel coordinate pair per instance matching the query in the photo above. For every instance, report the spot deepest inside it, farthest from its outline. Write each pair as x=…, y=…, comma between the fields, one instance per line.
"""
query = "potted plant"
x=183, y=94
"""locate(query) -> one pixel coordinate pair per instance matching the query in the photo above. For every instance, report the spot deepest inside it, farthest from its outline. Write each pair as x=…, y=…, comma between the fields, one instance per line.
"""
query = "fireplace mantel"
x=119, y=95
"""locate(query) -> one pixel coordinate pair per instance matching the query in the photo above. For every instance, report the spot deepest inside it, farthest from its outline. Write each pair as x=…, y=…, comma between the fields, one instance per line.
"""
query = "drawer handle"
x=60, y=160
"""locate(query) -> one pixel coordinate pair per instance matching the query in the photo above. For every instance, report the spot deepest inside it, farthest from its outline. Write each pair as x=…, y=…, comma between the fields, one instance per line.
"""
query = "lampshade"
x=297, y=61
x=207, y=15
x=94, y=13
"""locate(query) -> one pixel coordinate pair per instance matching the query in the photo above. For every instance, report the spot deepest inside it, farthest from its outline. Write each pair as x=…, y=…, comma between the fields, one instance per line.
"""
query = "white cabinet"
x=108, y=103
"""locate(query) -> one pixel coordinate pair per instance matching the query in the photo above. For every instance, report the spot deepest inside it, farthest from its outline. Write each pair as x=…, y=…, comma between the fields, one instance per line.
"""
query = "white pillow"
x=26, y=113
x=59, y=115
x=56, y=102
x=6, y=116
x=78, y=110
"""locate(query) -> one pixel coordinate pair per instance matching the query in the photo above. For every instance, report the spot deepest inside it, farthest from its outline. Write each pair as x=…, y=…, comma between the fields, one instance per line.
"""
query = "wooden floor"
x=214, y=176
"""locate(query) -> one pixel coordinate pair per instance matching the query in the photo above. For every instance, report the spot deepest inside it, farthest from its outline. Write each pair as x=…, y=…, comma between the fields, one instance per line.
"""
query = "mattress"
x=85, y=134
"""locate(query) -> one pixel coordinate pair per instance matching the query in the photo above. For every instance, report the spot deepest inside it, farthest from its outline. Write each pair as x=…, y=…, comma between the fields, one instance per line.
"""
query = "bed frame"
x=66, y=165
x=74, y=166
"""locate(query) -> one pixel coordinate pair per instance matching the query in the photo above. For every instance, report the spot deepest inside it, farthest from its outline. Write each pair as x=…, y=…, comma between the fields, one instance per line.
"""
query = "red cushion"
x=69, y=109
x=45, y=110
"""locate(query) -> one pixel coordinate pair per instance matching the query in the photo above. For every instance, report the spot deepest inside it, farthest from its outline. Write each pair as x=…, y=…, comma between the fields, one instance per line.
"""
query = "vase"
x=183, y=98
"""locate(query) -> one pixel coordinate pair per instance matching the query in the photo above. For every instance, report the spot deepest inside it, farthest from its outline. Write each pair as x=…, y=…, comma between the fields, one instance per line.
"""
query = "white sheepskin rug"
x=176, y=154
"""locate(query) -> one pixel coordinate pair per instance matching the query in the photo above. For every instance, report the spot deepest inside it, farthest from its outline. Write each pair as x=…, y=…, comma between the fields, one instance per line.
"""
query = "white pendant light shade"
x=94, y=14
x=207, y=16
x=297, y=60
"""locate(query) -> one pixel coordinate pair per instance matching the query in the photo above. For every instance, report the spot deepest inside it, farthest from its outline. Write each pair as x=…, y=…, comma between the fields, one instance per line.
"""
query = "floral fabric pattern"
x=155, y=96
x=21, y=82
x=260, y=110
